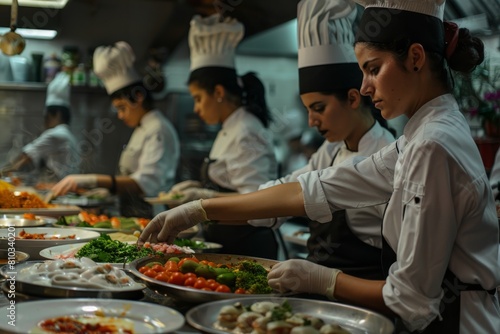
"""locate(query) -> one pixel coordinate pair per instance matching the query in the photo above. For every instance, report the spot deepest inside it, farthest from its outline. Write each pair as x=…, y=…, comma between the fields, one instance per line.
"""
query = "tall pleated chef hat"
x=114, y=65
x=326, y=56
x=58, y=91
x=394, y=21
x=213, y=42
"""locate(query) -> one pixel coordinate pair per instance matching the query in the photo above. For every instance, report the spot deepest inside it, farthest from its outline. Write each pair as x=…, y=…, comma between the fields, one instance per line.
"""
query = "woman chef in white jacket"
x=441, y=249
x=329, y=81
x=242, y=155
x=55, y=153
x=149, y=161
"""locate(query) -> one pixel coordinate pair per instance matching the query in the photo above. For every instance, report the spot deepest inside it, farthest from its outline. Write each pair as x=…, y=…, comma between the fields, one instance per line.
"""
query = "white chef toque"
x=326, y=56
x=114, y=65
x=399, y=22
x=58, y=91
x=213, y=42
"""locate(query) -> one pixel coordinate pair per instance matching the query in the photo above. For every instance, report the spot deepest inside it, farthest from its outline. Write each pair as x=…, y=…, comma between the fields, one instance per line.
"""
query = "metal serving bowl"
x=191, y=295
x=19, y=257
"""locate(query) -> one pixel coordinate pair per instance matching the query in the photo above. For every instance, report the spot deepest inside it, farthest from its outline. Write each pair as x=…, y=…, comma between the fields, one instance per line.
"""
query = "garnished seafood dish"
x=81, y=273
x=85, y=324
x=42, y=236
x=270, y=318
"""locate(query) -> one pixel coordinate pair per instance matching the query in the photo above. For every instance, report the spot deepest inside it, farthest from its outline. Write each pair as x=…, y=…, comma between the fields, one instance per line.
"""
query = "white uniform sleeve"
x=361, y=182
x=495, y=174
x=41, y=146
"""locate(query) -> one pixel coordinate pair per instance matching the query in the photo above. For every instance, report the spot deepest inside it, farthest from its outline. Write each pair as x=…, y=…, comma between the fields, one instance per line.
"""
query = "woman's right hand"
x=73, y=182
x=167, y=225
x=184, y=185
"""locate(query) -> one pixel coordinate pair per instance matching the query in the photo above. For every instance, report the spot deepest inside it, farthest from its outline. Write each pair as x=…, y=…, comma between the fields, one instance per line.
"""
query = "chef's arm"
x=119, y=184
x=358, y=291
x=278, y=201
x=22, y=161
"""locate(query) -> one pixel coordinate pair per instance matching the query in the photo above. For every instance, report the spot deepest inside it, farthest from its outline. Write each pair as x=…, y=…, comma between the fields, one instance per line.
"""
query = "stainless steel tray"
x=354, y=319
x=20, y=221
x=38, y=290
x=190, y=295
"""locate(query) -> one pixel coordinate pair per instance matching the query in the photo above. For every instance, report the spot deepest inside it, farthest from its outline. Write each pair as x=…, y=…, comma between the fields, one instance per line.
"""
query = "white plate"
x=147, y=318
x=19, y=221
x=34, y=246
x=354, y=319
x=55, y=252
x=54, y=211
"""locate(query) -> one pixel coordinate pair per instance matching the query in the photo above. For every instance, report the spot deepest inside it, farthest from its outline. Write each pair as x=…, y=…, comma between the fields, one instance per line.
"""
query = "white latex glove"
x=303, y=276
x=73, y=182
x=166, y=225
x=188, y=195
x=181, y=186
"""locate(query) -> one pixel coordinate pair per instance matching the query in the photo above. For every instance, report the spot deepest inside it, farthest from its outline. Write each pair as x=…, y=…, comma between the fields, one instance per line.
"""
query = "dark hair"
x=342, y=96
x=63, y=111
x=251, y=95
x=468, y=53
x=130, y=93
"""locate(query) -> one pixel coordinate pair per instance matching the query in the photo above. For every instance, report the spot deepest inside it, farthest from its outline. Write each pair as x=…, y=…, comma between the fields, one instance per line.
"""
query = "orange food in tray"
x=20, y=199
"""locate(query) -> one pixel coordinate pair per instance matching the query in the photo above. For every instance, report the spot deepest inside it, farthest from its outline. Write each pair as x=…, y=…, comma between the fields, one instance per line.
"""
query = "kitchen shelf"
x=42, y=86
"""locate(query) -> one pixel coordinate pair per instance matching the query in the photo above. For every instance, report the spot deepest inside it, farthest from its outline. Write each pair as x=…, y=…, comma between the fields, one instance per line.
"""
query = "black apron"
x=449, y=306
x=334, y=245
x=237, y=239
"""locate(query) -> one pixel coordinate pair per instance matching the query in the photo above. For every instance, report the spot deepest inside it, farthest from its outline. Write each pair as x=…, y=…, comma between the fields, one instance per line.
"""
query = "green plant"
x=478, y=94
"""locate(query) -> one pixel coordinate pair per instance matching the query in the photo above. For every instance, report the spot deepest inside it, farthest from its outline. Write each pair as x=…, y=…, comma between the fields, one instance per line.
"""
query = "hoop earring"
x=219, y=99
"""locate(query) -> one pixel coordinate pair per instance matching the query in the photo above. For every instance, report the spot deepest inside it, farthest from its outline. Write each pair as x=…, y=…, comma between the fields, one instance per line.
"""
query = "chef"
x=54, y=154
x=352, y=240
x=149, y=161
x=242, y=156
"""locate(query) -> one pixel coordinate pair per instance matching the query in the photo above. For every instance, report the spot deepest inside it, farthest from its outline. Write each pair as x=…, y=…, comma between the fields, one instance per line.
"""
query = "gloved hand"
x=73, y=182
x=181, y=186
x=303, y=276
x=166, y=225
x=188, y=195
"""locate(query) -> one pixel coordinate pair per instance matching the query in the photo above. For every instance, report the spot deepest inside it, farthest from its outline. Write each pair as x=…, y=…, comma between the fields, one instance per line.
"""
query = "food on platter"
x=41, y=236
x=123, y=237
x=81, y=273
x=4, y=185
x=242, y=277
x=20, y=199
x=86, y=219
x=271, y=317
x=85, y=324
x=104, y=249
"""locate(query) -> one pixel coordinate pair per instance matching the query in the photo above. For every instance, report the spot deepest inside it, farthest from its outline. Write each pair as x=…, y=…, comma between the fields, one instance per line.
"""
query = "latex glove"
x=166, y=225
x=303, y=276
x=181, y=186
x=73, y=182
x=188, y=195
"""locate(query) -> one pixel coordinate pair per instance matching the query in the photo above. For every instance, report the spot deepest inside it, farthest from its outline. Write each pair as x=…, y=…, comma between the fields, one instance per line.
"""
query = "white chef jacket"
x=58, y=147
x=364, y=223
x=495, y=174
x=243, y=153
x=152, y=154
x=440, y=214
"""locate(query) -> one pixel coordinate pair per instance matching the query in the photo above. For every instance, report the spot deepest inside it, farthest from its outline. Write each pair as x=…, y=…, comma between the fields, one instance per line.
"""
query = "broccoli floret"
x=252, y=277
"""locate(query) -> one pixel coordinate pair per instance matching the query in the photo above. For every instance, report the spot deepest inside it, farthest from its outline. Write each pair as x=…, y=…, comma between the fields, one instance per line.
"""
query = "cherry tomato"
x=204, y=262
x=189, y=281
x=143, y=269
x=163, y=276
x=213, y=285
x=184, y=259
x=240, y=291
x=200, y=283
x=158, y=268
x=171, y=266
x=177, y=278
x=192, y=275
x=150, y=273
x=223, y=288
x=206, y=289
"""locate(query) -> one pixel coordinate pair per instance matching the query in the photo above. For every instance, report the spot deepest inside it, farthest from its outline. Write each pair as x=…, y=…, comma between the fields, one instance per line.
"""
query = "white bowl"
x=34, y=246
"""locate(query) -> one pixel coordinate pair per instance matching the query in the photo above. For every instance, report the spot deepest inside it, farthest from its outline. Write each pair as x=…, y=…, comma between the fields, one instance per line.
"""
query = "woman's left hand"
x=303, y=276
